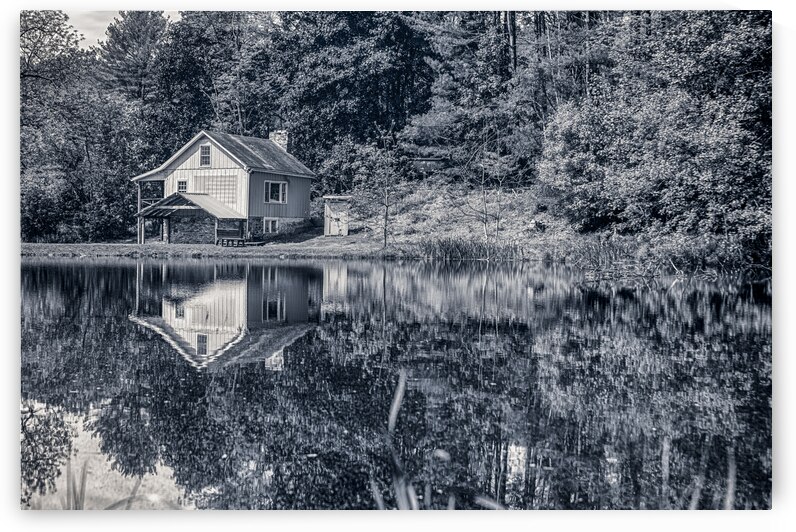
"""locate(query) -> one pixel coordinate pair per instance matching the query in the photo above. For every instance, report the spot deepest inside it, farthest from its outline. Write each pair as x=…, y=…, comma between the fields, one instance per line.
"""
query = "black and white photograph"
x=394, y=260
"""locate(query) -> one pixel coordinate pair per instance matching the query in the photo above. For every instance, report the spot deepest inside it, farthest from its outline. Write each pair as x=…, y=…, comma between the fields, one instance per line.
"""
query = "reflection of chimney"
x=280, y=137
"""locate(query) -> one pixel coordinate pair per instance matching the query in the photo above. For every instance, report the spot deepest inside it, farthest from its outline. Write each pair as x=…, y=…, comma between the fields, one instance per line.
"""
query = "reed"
x=461, y=248
x=76, y=492
x=403, y=489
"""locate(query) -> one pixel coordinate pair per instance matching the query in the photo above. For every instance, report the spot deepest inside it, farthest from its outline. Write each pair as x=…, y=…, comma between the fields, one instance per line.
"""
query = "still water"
x=270, y=385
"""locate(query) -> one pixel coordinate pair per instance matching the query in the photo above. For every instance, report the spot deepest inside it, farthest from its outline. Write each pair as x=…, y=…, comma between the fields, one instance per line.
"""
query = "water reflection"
x=268, y=385
x=239, y=314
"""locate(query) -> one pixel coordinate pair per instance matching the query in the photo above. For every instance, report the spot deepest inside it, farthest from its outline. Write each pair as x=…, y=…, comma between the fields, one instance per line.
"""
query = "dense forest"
x=648, y=125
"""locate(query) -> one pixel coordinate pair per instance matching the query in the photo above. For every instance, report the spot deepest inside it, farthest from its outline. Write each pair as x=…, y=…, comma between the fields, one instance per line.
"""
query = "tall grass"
x=76, y=492
x=459, y=248
x=403, y=489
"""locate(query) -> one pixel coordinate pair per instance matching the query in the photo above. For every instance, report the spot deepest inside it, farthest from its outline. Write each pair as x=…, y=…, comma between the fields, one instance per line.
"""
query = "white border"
x=780, y=518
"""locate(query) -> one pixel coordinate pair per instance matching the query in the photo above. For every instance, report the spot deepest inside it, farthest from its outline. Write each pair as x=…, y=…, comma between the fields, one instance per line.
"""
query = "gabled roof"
x=252, y=153
x=181, y=200
x=263, y=344
x=261, y=154
x=246, y=347
x=179, y=344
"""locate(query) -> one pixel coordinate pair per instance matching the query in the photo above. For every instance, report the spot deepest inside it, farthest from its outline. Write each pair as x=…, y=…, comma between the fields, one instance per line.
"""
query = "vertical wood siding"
x=224, y=179
x=219, y=313
x=298, y=197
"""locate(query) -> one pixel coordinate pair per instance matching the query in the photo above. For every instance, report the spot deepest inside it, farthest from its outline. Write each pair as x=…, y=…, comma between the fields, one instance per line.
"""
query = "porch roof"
x=185, y=200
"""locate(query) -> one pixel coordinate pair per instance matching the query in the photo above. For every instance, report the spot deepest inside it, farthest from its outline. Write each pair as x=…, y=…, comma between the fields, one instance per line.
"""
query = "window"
x=270, y=225
x=201, y=344
x=204, y=155
x=179, y=311
x=182, y=186
x=274, y=308
x=275, y=192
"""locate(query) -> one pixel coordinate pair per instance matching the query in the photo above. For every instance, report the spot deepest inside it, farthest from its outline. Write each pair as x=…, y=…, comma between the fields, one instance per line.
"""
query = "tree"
x=347, y=75
x=377, y=185
x=46, y=445
x=129, y=51
x=47, y=46
x=666, y=143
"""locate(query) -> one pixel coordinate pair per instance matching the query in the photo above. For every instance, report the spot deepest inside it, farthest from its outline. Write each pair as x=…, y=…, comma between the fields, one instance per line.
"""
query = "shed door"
x=336, y=219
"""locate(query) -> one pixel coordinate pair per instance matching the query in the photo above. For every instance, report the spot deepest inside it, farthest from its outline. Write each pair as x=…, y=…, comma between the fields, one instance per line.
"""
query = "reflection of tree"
x=545, y=393
x=46, y=444
x=126, y=435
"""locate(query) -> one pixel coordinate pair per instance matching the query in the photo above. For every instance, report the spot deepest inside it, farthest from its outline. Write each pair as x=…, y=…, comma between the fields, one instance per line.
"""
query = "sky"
x=92, y=24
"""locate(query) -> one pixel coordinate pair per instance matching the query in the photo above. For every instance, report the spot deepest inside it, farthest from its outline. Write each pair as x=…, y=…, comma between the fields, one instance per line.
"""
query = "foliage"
x=639, y=123
x=377, y=185
x=468, y=249
x=129, y=51
x=687, y=154
x=46, y=445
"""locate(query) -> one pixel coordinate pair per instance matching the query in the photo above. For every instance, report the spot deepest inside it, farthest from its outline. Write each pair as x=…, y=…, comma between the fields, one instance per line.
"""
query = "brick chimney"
x=280, y=137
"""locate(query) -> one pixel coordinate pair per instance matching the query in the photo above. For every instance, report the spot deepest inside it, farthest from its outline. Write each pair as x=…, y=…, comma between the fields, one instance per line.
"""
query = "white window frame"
x=182, y=181
x=209, y=155
x=282, y=192
x=201, y=339
x=267, y=225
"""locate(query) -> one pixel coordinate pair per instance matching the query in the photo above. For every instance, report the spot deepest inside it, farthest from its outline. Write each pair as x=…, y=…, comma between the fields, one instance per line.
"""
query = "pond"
x=339, y=384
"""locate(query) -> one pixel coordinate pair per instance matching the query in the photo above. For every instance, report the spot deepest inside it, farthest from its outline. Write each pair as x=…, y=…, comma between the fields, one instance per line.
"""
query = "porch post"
x=140, y=229
x=166, y=230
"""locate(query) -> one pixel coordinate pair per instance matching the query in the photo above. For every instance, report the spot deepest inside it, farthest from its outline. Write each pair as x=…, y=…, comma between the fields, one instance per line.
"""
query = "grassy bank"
x=434, y=223
x=349, y=249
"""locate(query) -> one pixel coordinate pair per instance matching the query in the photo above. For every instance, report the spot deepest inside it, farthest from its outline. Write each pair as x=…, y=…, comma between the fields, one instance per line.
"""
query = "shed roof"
x=252, y=153
x=181, y=200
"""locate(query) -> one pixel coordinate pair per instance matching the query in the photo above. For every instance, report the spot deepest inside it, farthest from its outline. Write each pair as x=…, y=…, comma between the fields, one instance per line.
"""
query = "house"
x=226, y=187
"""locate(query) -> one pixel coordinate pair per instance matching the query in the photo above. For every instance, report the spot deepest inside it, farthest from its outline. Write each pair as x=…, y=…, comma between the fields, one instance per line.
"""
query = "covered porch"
x=191, y=218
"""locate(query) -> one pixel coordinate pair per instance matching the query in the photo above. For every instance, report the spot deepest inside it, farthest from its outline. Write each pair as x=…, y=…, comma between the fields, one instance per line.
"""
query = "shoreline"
x=201, y=251
x=620, y=266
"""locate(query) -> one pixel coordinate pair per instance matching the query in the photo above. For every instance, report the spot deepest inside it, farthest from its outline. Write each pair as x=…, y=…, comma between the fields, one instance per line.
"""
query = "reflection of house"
x=202, y=327
x=248, y=314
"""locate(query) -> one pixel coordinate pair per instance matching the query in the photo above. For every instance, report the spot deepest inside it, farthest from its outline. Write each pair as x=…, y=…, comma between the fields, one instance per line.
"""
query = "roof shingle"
x=260, y=154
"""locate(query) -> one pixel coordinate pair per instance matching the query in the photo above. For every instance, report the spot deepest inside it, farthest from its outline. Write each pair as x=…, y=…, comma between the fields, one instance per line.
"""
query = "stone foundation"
x=193, y=229
x=255, y=228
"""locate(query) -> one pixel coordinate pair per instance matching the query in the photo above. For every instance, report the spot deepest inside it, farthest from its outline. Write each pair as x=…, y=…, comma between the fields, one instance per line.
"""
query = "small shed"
x=335, y=215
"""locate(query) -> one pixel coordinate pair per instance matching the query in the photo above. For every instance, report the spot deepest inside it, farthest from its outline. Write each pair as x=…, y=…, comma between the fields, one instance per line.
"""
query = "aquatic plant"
x=406, y=497
x=460, y=248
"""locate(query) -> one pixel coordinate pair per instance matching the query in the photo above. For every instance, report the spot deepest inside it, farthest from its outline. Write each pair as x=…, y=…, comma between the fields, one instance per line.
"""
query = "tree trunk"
x=511, y=21
x=386, y=216
x=665, y=452
x=729, y=496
